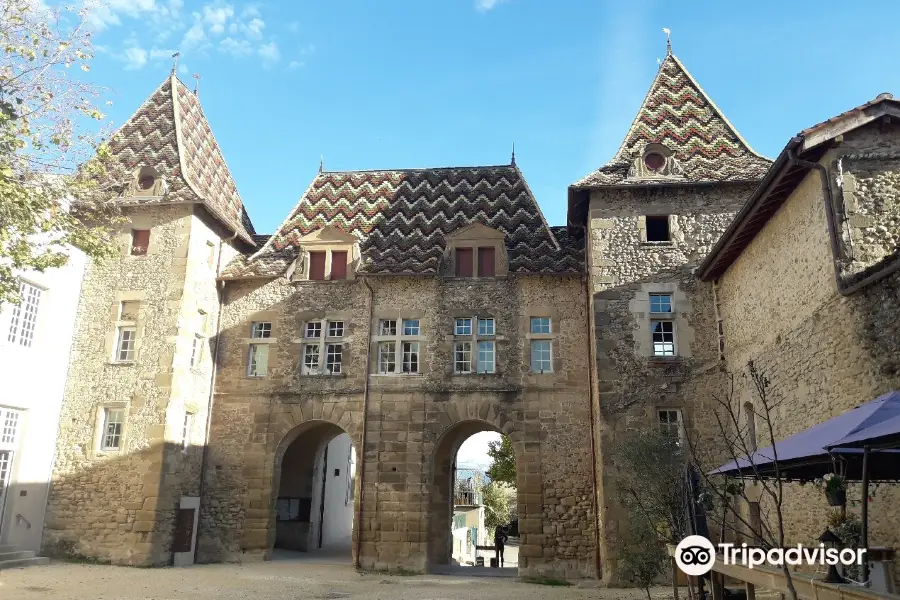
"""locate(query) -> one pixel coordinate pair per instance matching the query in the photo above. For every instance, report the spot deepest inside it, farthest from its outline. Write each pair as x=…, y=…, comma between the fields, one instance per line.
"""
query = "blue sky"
x=416, y=83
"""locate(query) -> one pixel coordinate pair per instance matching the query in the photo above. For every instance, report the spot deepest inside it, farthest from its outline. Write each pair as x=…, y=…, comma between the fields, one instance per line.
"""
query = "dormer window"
x=654, y=161
x=464, y=262
x=476, y=250
x=317, y=265
x=328, y=254
x=148, y=182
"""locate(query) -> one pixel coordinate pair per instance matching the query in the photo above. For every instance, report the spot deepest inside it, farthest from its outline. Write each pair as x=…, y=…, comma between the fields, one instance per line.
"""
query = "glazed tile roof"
x=402, y=217
x=678, y=114
x=170, y=133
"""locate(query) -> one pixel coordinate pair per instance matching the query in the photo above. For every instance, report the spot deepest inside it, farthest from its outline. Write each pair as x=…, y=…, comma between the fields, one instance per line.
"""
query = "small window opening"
x=658, y=228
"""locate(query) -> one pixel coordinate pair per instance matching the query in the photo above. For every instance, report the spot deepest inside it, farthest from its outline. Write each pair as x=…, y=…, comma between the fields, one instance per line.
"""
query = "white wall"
x=337, y=520
x=34, y=382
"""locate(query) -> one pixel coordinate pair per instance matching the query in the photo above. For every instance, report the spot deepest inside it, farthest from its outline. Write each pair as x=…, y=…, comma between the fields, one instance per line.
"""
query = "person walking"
x=500, y=539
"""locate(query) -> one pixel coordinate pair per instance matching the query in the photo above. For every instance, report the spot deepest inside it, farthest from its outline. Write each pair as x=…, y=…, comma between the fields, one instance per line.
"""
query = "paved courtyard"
x=275, y=580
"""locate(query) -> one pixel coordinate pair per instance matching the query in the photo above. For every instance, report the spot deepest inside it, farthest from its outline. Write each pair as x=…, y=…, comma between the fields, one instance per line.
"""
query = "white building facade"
x=35, y=340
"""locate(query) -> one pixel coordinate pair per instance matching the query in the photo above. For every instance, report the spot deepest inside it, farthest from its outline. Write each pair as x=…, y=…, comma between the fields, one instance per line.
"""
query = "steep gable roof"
x=678, y=114
x=170, y=133
x=402, y=219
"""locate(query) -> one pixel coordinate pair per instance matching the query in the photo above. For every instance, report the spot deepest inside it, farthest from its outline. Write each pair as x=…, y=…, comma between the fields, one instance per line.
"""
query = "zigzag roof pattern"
x=678, y=114
x=170, y=133
x=402, y=217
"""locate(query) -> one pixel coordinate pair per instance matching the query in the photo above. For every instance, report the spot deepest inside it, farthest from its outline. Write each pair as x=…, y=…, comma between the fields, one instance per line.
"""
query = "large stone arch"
x=457, y=422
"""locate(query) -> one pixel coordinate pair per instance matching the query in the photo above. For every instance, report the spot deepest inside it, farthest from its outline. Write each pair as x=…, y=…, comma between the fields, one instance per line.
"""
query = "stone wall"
x=625, y=268
x=412, y=424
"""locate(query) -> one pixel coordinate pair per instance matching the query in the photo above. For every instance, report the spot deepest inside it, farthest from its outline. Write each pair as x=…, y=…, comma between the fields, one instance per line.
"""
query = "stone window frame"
x=324, y=343
x=98, y=442
x=138, y=222
x=328, y=239
x=396, y=340
x=673, y=228
x=545, y=312
x=474, y=339
x=474, y=237
x=681, y=329
x=119, y=324
x=268, y=341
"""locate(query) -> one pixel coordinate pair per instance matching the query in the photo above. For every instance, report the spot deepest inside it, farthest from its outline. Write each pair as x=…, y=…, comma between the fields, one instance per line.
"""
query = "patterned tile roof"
x=170, y=133
x=678, y=114
x=401, y=219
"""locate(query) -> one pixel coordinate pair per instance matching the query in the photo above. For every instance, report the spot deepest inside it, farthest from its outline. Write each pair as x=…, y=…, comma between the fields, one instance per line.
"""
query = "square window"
x=310, y=359
x=313, y=329
x=258, y=363
x=540, y=325
x=186, y=430
x=334, y=354
x=261, y=330
x=462, y=357
x=24, y=315
x=387, y=327
x=125, y=344
x=658, y=228
x=410, y=326
x=463, y=326
x=140, y=241
x=335, y=329
x=410, y=357
x=661, y=303
x=663, y=338
x=387, y=357
x=196, y=349
x=485, y=357
x=541, y=356
x=485, y=326
x=113, y=419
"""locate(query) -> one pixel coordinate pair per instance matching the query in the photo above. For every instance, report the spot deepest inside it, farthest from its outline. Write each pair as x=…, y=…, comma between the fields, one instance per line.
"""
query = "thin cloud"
x=135, y=58
x=486, y=5
x=295, y=64
x=269, y=53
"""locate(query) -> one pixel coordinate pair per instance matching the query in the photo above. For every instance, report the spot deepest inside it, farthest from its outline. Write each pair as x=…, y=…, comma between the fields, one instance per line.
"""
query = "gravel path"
x=276, y=580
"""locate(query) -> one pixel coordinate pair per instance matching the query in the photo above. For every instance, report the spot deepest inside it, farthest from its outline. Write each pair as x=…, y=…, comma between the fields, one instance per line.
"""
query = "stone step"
x=7, y=548
x=16, y=555
x=24, y=562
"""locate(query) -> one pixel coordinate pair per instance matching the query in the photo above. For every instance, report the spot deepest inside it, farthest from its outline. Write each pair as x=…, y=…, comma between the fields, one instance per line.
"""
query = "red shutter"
x=338, y=264
x=485, y=262
x=140, y=239
x=463, y=262
x=317, y=265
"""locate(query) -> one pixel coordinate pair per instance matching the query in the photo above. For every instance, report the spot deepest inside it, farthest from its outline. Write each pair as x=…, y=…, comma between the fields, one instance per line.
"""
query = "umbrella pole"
x=865, y=515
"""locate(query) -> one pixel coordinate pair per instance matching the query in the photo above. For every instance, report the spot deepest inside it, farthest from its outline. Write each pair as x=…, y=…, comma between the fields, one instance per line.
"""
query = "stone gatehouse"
x=408, y=309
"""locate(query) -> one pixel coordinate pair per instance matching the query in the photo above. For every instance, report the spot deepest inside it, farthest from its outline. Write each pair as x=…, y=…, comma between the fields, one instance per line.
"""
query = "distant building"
x=468, y=517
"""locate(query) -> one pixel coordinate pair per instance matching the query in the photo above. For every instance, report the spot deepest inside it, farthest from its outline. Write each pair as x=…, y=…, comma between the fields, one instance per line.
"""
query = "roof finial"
x=196, y=77
x=514, y=155
x=175, y=62
x=321, y=163
x=668, y=33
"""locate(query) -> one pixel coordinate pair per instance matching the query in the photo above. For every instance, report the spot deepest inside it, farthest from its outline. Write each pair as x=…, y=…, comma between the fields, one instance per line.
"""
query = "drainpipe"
x=592, y=368
x=361, y=456
x=212, y=389
x=842, y=289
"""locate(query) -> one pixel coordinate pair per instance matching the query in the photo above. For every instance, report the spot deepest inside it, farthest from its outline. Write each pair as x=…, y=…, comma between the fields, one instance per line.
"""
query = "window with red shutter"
x=463, y=262
x=140, y=240
x=338, y=264
x=485, y=262
x=317, y=265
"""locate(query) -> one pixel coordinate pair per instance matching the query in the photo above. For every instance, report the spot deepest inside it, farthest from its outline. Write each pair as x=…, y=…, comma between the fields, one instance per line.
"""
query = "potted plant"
x=835, y=488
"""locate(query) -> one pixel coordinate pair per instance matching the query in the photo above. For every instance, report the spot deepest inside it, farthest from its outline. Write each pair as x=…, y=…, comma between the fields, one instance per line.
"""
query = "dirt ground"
x=278, y=580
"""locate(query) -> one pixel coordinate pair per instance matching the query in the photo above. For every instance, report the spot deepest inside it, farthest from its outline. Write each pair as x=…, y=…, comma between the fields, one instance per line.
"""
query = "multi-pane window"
x=9, y=424
x=186, y=429
x=670, y=423
x=410, y=357
x=485, y=326
x=125, y=344
x=485, y=356
x=387, y=357
x=400, y=354
x=113, y=421
x=258, y=360
x=663, y=337
x=410, y=326
x=126, y=331
x=463, y=326
x=541, y=356
x=261, y=330
x=462, y=357
x=661, y=303
x=387, y=327
x=24, y=315
x=540, y=325
x=323, y=353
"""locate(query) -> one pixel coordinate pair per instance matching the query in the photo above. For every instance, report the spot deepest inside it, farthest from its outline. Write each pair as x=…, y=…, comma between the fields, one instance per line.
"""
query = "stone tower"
x=650, y=216
x=135, y=411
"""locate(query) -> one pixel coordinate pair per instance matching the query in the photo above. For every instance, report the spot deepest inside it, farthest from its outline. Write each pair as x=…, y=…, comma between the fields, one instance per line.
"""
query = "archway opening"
x=473, y=495
x=315, y=503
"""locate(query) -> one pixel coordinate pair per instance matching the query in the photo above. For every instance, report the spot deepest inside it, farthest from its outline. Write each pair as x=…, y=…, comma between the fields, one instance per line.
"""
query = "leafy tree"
x=496, y=505
x=503, y=461
x=641, y=562
x=46, y=111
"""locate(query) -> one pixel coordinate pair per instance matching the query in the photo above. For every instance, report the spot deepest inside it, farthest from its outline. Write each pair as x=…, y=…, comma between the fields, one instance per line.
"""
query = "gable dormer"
x=476, y=250
x=326, y=254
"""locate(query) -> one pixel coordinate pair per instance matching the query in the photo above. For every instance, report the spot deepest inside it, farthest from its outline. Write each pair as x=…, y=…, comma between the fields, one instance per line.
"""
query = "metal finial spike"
x=321, y=163
x=668, y=33
x=514, y=154
x=196, y=77
x=175, y=62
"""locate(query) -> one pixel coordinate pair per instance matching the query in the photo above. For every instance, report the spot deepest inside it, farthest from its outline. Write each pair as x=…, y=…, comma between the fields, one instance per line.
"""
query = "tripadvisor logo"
x=695, y=555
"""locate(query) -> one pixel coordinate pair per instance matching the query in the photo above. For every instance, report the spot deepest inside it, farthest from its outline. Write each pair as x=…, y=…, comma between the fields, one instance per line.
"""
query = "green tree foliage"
x=496, y=505
x=641, y=562
x=48, y=125
x=503, y=461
